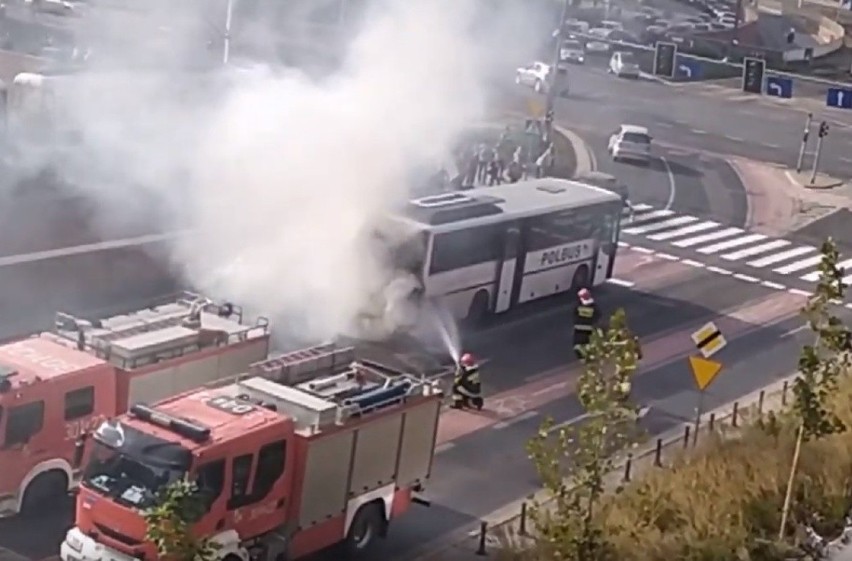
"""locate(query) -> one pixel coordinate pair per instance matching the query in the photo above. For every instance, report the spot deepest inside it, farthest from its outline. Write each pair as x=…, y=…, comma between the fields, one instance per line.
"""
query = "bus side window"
x=79, y=403
x=25, y=421
x=511, y=246
x=211, y=482
x=240, y=477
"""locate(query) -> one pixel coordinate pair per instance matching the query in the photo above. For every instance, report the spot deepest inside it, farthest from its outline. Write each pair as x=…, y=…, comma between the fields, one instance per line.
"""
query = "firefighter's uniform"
x=586, y=316
x=467, y=388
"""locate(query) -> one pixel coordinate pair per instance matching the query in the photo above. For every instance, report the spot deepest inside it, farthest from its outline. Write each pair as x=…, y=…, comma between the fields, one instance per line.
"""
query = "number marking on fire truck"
x=78, y=428
x=230, y=405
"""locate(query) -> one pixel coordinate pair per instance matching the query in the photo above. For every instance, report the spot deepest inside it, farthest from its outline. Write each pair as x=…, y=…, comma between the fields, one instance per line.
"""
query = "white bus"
x=486, y=250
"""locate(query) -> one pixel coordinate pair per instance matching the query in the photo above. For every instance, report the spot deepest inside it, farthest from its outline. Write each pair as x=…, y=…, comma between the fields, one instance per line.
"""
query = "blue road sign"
x=778, y=86
x=688, y=68
x=839, y=97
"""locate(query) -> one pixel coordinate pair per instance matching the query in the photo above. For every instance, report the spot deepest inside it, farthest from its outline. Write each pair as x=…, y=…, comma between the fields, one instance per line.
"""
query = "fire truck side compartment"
x=173, y=379
x=326, y=478
x=420, y=430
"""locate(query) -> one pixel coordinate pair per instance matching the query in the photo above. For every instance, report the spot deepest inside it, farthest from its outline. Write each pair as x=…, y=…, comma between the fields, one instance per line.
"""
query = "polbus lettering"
x=562, y=254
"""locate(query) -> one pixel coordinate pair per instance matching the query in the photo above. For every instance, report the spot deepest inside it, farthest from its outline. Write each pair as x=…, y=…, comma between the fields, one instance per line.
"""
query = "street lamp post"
x=554, y=69
x=229, y=14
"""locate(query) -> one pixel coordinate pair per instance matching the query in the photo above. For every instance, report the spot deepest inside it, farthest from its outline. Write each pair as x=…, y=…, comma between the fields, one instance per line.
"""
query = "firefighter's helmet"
x=585, y=296
x=467, y=360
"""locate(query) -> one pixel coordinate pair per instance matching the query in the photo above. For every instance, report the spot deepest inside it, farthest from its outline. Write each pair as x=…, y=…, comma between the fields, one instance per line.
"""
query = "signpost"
x=839, y=97
x=779, y=86
x=709, y=341
x=753, y=75
x=664, y=59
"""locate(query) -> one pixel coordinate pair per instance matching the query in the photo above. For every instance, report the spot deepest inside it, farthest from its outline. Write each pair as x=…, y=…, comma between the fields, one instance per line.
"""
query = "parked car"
x=630, y=142
x=623, y=64
x=600, y=40
x=611, y=24
x=571, y=51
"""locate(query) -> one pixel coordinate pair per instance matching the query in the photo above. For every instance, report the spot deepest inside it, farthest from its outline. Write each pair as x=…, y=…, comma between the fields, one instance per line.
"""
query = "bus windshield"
x=130, y=466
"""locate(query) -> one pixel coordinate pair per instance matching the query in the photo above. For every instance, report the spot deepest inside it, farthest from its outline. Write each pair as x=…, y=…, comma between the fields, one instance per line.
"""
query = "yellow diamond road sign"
x=709, y=340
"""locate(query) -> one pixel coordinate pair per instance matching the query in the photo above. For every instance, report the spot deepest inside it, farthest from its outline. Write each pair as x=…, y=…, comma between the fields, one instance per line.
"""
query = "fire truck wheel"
x=43, y=489
x=367, y=526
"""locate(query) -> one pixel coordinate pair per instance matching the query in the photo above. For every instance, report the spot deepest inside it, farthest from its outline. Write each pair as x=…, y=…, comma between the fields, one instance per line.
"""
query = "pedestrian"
x=495, y=171
x=544, y=162
x=471, y=167
x=514, y=170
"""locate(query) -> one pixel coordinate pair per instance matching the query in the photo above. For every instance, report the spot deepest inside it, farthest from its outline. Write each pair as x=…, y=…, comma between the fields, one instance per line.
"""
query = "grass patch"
x=722, y=501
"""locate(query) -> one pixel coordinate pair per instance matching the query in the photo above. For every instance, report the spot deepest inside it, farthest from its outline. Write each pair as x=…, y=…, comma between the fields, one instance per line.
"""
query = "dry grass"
x=723, y=501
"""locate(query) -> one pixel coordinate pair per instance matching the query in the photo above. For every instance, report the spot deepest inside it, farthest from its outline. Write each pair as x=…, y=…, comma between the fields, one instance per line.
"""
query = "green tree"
x=820, y=365
x=169, y=523
x=573, y=461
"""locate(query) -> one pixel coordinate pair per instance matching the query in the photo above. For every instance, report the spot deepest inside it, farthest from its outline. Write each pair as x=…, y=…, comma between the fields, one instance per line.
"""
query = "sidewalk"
x=505, y=523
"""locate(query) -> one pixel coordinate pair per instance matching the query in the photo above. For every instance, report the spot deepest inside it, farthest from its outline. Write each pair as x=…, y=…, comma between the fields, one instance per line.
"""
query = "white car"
x=623, y=64
x=598, y=43
x=631, y=143
x=535, y=76
x=610, y=24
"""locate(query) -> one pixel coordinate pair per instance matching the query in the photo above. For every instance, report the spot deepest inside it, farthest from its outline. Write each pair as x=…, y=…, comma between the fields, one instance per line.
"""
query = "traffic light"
x=823, y=129
x=664, y=59
x=753, y=75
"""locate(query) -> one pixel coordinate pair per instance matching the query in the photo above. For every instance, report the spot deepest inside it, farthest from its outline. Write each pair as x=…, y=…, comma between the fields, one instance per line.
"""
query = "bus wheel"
x=367, y=526
x=43, y=490
x=581, y=278
x=478, y=311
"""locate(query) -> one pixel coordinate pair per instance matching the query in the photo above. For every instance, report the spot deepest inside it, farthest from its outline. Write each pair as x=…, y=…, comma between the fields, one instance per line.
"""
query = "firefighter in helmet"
x=586, y=316
x=467, y=389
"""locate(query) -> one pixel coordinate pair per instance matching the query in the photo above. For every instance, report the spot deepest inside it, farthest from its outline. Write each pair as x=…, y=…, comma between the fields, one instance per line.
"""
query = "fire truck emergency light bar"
x=187, y=429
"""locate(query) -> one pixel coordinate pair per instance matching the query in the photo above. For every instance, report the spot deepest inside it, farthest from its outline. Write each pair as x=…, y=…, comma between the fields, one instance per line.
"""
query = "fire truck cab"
x=56, y=388
x=283, y=470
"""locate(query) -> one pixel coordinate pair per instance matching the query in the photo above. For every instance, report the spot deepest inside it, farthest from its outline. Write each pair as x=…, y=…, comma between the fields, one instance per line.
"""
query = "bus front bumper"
x=77, y=546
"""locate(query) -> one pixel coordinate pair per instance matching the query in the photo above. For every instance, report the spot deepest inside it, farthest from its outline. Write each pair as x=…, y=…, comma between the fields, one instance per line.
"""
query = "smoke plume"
x=278, y=175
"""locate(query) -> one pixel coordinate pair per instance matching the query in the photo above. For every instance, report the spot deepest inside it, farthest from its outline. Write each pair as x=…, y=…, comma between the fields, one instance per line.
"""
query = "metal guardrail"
x=737, y=417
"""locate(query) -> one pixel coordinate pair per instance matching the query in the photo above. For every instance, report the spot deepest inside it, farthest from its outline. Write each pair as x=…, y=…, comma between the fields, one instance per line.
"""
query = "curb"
x=585, y=158
x=814, y=187
x=671, y=442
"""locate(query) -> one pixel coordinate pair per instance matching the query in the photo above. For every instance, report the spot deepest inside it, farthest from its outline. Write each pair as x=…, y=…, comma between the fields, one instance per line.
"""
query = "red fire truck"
x=285, y=467
x=56, y=387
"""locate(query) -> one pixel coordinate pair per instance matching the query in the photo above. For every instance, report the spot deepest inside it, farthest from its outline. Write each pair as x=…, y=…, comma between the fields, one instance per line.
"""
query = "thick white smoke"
x=279, y=176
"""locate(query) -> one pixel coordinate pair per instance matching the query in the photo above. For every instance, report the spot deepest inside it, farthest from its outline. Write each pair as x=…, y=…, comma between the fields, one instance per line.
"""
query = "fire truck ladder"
x=298, y=366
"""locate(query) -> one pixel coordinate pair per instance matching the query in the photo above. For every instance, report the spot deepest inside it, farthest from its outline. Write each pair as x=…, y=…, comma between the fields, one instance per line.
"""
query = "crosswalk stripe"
x=783, y=256
x=814, y=277
x=697, y=240
x=641, y=207
x=721, y=246
x=653, y=215
x=653, y=227
x=686, y=230
x=801, y=265
x=755, y=250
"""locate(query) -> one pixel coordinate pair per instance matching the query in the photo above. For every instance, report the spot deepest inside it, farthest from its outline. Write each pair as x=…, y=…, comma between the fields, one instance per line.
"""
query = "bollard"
x=686, y=436
x=712, y=421
x=522, y=527
x=483, y=531
x=658, y=453
x=628, y=467
x=734, y=414
x=784, y=393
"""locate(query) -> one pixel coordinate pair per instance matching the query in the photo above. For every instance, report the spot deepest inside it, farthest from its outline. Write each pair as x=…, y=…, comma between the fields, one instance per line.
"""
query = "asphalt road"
x=682, y=117
x=528, y=376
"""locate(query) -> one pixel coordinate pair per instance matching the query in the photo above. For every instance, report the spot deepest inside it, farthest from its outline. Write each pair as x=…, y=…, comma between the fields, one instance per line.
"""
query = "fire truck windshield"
x=130, y=466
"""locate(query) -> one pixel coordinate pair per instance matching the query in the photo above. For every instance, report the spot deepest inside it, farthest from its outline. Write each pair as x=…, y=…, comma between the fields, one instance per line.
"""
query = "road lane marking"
x=515, y=420
x=642, y=249
x=691, y=263
x=668, y=257
x=734, y=138
x=620, y=282
x=697, y=240
x=798, y=292
x=719, y=270
x=698, y=131
x=793, y=331
x=444, y=446
x=746, y=278
x=672, y=184
x=775, y=285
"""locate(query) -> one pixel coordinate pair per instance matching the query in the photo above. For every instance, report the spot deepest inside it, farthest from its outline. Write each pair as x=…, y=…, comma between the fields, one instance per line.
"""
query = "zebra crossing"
x=715, y=244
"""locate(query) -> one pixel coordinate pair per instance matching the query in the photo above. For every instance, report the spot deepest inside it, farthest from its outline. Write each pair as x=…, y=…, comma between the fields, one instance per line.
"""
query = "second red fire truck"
x=57, y=387
x=287, y=462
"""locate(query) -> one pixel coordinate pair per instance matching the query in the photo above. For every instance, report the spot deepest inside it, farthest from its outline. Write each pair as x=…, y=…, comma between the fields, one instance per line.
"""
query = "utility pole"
x=553, y=87
x=803, y=147
x=229, y=14
x=823, y=132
